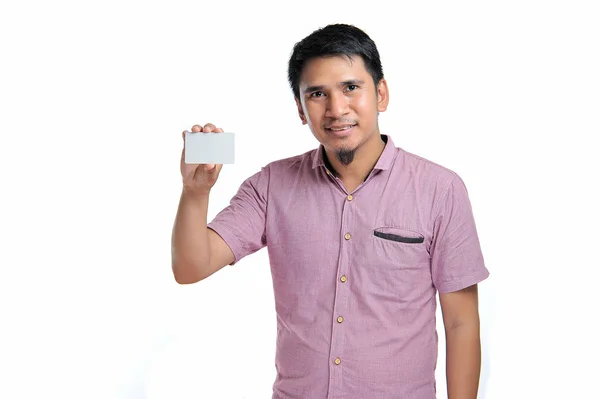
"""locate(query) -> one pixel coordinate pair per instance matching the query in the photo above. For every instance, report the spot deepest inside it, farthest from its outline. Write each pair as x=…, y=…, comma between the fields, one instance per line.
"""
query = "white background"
x=93, y=100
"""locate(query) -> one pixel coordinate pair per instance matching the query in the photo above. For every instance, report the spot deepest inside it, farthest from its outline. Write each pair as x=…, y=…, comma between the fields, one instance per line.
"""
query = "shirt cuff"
x=456, y=285
x=230, y=239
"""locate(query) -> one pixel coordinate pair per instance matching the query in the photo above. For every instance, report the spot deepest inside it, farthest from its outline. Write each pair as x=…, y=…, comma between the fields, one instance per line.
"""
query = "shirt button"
x=343, y=279
x=347, y=236
x=337, y=360
x=350, y=197
x=340, y=319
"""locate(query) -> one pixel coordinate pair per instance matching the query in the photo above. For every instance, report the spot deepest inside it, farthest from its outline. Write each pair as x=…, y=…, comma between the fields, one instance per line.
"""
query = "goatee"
x=345, y=156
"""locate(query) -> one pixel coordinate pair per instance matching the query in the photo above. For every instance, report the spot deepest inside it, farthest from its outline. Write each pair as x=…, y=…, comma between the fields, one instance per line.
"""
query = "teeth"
x=339, y=130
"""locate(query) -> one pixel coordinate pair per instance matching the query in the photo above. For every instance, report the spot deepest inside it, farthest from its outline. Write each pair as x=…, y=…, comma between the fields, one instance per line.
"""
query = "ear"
x=383, y=95
x=301, y=111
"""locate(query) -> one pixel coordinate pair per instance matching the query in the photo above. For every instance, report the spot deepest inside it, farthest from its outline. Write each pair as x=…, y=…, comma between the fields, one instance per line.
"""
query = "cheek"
x=366, y=109
x=365, y=106
x=312, y=112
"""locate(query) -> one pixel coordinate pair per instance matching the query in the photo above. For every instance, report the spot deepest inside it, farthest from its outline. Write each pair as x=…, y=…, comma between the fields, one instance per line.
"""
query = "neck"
x=365, y=158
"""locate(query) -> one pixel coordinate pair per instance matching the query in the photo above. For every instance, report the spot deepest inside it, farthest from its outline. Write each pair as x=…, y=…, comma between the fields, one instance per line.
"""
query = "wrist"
x=194, y=194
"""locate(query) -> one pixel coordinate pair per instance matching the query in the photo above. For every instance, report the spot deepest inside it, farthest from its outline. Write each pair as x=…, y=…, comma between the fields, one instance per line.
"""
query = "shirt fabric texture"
x=355, y=274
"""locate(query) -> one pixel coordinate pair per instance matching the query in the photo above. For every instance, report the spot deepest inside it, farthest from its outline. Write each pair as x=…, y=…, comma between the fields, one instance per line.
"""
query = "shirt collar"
x=383, y=163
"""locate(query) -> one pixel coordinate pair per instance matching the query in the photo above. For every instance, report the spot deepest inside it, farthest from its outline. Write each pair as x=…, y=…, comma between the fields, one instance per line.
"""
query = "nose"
x=337, y=105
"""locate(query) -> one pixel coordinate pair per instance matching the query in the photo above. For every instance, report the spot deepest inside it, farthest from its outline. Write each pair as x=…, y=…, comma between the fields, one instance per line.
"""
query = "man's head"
x=337, y=80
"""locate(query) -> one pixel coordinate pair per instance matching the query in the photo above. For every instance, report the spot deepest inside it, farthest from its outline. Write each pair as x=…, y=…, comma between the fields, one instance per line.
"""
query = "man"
x=361, y=236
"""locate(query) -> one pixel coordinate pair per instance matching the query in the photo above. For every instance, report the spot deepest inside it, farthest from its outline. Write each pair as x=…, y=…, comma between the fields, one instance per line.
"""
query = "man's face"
x=340, y=103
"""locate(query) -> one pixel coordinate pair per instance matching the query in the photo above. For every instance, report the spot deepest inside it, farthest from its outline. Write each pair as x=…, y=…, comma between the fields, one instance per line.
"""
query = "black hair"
x=332, y=40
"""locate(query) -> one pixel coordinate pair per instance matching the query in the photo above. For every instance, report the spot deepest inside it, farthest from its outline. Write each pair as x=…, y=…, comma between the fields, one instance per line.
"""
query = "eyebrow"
x=311, y=89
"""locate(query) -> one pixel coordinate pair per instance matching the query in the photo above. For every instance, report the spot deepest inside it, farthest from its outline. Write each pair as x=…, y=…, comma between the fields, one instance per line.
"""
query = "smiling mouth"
x=340, y=128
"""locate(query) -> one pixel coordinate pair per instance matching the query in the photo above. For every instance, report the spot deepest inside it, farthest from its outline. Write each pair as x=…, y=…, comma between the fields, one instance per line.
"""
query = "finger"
x=217, y=170
x=196, y=128
x=219, y=130
x=183, y=134
x=209, y=167
x=209, y=127
x=202, y=169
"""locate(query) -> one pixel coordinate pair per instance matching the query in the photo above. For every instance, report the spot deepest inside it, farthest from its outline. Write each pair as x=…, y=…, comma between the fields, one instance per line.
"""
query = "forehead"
x=332, y=70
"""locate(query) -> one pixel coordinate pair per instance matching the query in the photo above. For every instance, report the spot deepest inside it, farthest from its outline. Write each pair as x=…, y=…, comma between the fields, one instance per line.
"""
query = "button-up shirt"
x=355, y=274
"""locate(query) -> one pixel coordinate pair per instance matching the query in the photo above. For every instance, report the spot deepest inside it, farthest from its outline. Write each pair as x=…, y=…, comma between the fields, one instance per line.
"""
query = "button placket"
x=342, y=293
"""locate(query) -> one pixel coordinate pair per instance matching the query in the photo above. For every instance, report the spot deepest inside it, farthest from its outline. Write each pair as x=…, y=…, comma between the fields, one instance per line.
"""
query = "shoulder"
x=291, y=164
x=280, y=171
x=428, y=171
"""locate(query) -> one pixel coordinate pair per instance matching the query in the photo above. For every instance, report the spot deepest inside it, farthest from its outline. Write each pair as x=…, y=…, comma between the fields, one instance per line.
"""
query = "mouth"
x=340, y=130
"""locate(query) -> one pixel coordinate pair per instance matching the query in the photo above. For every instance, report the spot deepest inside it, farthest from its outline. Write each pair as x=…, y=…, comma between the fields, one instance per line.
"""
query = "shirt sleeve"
x=456, y=258
x=242, y=223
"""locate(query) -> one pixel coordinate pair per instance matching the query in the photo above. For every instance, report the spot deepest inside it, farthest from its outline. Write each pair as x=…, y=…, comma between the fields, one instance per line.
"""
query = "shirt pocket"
x=399, y=267
x=396, y=247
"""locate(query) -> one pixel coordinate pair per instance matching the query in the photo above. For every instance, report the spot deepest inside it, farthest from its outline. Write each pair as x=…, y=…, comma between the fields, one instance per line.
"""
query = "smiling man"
x=361, y=236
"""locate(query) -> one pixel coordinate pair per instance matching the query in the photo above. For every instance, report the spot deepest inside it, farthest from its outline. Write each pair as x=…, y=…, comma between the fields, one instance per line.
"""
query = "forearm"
x=190, y=252
x=463, y=361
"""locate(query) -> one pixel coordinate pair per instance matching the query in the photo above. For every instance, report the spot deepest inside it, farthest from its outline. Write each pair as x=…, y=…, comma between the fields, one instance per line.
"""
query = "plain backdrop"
x=94, y=97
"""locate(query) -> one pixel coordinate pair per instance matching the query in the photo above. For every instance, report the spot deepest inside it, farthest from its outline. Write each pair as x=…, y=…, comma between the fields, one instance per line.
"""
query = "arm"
x=199, y=249
x=196, y=251
x=463, y=348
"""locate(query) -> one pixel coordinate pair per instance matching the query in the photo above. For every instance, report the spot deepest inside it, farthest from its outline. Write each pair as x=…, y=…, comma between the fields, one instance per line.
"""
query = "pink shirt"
x=355, y=274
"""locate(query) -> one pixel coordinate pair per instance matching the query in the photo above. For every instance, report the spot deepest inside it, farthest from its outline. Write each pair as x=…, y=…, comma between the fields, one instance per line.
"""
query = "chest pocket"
x=399, y=248
x=399, y=267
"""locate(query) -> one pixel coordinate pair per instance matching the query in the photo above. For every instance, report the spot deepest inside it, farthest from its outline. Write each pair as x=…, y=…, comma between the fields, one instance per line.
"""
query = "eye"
x=352, y=87
x=316, y=94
